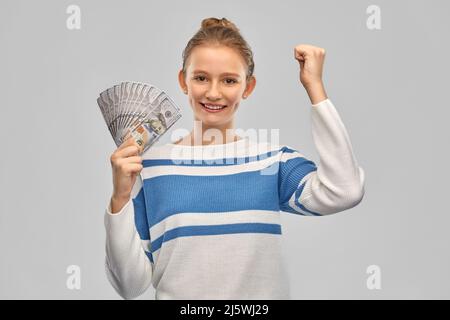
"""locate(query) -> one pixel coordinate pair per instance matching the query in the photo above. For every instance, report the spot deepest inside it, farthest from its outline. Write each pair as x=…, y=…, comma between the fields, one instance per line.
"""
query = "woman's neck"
x=201, y=135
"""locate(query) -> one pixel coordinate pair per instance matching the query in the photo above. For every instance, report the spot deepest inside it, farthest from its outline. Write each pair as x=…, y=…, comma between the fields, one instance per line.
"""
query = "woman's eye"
x=227, y=81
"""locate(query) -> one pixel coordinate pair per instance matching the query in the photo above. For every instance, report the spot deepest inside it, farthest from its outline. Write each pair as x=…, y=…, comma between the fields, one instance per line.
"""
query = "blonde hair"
x=220, y=32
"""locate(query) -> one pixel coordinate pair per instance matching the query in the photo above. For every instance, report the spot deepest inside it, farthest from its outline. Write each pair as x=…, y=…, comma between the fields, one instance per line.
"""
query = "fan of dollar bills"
x=137, y=109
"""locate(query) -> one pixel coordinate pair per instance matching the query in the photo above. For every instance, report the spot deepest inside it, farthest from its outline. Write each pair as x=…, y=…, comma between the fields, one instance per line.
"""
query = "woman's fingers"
x=128, y=152
x=121, y=154
x=128, y=142
x=132, y=150
x=131, y=168
x=134, y=159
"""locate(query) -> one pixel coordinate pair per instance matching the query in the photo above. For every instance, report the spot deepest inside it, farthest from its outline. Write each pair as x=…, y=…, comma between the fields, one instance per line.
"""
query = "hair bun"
x=214, y=22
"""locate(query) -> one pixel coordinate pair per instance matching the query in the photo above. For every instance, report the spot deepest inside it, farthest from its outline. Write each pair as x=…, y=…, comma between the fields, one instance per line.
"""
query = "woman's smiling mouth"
x=212, y=107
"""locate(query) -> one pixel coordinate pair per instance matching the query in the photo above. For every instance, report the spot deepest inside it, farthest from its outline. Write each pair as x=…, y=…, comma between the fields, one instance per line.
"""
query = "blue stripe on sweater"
x=140, y=219
x=290, y=174
x=172, y=194
x=215, y=230
x=140, y=216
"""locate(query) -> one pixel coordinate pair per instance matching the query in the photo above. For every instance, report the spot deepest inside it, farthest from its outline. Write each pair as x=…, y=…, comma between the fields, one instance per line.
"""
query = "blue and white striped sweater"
x=250, y=190
x=206, y=219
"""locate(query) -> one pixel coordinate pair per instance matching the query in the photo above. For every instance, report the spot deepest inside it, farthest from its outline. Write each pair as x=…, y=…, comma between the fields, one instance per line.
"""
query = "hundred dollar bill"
x=137, y=109
x=162, y=115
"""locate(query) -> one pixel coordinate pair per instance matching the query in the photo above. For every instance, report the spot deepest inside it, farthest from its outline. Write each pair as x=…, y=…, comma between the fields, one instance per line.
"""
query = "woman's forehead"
x=216, y=59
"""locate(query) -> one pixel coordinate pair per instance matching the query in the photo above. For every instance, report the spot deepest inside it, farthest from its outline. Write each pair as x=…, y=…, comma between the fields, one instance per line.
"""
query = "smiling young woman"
x=211, y=228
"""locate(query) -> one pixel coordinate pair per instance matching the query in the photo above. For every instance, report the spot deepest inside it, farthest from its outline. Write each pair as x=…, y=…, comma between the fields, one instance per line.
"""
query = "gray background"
x=388, y=86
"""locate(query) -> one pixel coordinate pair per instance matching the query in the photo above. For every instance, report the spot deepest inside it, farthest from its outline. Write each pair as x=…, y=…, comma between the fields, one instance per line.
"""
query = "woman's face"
x=215, y=76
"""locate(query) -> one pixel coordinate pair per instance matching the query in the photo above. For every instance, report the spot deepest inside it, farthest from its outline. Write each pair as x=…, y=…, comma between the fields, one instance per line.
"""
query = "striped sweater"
x=204, y=222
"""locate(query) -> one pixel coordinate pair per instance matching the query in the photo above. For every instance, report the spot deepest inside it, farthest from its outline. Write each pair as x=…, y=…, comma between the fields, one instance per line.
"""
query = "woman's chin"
x=213, y=117
x=211, y=122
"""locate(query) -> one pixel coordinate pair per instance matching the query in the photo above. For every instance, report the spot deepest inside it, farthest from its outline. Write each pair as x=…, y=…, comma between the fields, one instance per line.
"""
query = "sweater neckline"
x=239, y=142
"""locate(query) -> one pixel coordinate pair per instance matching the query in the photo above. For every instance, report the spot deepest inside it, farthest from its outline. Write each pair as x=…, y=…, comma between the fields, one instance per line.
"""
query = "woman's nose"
x=213, y=92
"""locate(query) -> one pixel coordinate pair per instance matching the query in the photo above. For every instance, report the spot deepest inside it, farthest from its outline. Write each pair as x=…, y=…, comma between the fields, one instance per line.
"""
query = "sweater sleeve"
x=128, y=262
x=336, y=184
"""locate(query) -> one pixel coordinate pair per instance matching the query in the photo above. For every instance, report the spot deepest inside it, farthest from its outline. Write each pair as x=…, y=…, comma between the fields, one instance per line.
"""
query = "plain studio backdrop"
x=389, y=86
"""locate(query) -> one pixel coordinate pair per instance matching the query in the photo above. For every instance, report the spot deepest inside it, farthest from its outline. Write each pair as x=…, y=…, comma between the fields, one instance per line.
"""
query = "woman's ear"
x=251, y=83
x=182, y=81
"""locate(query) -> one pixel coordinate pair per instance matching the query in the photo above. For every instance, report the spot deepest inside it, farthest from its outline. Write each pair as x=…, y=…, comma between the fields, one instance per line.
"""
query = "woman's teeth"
x=211, y=107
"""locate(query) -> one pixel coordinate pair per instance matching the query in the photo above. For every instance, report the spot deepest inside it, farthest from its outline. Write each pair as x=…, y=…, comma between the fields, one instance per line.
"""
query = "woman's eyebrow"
x=223, y=74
